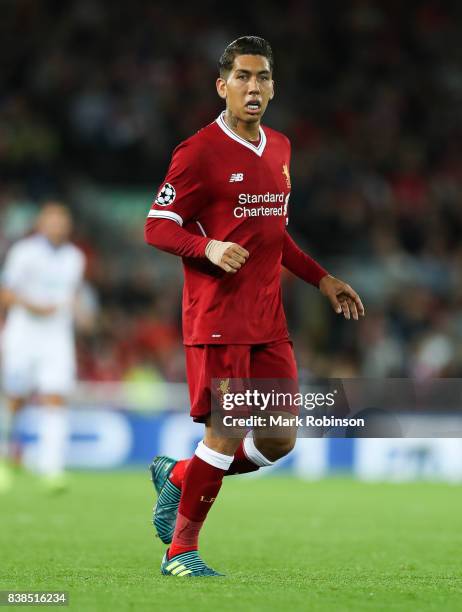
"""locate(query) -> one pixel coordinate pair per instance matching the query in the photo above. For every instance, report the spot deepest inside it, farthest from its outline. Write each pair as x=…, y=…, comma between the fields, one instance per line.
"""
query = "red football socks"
x=177, y=474
x=201, y=485
x=240, y=465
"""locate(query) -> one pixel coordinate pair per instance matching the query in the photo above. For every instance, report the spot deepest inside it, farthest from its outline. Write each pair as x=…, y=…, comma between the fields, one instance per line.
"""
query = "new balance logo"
x=236, y=177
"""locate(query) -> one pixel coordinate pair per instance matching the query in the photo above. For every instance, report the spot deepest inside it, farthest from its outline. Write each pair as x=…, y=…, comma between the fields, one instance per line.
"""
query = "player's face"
x=248, y=88
x=55, y=223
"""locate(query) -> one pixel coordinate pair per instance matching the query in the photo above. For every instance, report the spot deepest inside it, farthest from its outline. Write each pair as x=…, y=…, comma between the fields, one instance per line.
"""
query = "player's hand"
x=229, y=256
x=342, y=297
x=40, y=311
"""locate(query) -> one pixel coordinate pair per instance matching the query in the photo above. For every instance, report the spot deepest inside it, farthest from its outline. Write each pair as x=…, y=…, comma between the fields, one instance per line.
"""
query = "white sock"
x=52, y=441
x=214, y=458
x=253, y=454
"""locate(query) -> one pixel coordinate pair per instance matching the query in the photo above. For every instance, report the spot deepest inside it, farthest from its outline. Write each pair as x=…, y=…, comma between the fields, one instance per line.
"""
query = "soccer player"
x=223, y=207
x=40, y=280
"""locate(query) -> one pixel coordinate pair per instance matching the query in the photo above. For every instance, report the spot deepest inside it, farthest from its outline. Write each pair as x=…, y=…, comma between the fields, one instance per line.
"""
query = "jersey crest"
x=285, y=172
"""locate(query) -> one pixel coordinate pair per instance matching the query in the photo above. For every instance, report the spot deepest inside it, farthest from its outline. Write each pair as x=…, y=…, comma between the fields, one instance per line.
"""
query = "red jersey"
x=223, y=187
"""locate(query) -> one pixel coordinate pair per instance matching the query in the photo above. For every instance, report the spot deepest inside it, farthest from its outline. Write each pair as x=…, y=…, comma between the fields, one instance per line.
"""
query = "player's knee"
x=15, y=403
x=220, y=444
x=275, y=448
x=284, y=448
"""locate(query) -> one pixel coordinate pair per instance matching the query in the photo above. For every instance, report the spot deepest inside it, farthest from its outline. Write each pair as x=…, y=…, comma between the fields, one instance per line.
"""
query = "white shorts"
x=46, y=368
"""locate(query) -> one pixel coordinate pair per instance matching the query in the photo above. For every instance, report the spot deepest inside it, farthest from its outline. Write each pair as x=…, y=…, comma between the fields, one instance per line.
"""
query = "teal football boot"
x=166, y=508
x=188, y=565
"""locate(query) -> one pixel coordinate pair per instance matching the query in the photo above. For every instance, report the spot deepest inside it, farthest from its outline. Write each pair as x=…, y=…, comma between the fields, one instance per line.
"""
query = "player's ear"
x=221, y=87
x=272, y=90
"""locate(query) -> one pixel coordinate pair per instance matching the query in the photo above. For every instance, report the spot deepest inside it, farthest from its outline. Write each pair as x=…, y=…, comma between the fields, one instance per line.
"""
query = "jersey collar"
x=261, y=145
x=47, y=243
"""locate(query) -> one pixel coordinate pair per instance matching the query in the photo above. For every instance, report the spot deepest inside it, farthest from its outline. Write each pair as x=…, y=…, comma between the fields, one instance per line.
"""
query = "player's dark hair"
x=245, y=45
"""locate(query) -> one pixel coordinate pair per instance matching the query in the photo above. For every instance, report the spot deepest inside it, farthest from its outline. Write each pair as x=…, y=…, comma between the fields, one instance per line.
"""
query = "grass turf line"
x=283, y=543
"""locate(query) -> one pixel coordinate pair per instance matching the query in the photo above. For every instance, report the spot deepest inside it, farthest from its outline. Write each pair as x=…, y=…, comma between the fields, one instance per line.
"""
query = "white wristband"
x=215, y=250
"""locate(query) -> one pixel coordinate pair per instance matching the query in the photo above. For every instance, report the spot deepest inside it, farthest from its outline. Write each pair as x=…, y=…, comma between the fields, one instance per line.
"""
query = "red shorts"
x=208, y=361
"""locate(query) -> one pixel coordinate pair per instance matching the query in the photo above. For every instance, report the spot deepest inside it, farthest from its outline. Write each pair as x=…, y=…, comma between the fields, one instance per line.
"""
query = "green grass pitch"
x=284, y=544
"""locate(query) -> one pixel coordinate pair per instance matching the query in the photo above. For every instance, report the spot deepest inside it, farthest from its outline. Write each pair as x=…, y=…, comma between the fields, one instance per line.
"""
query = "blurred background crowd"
x=97, y=95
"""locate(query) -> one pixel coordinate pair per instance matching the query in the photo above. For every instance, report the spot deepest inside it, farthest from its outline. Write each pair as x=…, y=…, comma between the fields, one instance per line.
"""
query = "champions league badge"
x=166, y=195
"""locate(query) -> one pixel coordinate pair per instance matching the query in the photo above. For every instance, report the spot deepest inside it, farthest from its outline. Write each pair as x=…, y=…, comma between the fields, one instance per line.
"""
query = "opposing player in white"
x=39, y=285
